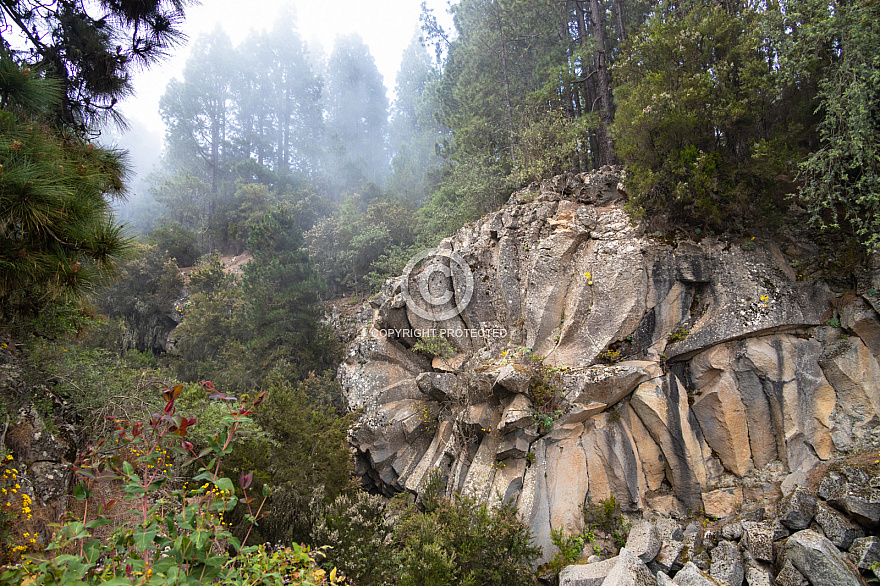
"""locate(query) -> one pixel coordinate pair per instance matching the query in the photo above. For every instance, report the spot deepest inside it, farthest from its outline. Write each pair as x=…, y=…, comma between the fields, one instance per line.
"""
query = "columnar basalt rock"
x=593, y=359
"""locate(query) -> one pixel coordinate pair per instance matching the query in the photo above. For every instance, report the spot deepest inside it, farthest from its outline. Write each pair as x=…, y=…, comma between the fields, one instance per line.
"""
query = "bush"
x=359, y=531
x=178, y=242
x=463, y=542
x=606, y=518
x=179, y=536
x=144, y=300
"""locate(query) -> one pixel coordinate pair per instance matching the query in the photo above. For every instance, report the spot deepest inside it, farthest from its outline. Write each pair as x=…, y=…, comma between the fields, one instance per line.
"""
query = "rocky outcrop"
x=744, y=549
x=41, y=446
x=553, y=351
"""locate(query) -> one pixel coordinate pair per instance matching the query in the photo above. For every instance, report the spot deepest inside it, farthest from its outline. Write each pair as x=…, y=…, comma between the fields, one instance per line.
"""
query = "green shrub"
x=359, y=531
x=610, y=356
x=179, y=536
x=606, y=518
x=569, y=550
x=178, y=242
x=463, y=542
x=143, y=300
x=679, y=334
x=437, y=346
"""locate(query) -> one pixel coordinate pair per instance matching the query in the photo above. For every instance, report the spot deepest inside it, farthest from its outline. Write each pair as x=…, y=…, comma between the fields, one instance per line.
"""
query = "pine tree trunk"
x=618, y=12
x=606, y=152
x=504, y=72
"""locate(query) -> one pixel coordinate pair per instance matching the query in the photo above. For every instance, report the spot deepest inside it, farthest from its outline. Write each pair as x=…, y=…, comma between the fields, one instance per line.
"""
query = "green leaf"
x=118, y=581
x=142, y=540
x=99, y=522
x=224, y=484
x=81, y=491
x=92, y=550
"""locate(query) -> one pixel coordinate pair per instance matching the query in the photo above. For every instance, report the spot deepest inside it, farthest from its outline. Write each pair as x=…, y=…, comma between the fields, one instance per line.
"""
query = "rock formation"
x=592, y=359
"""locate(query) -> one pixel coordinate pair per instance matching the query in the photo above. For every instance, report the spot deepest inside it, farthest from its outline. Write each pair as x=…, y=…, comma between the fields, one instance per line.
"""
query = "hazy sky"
x=386, y=26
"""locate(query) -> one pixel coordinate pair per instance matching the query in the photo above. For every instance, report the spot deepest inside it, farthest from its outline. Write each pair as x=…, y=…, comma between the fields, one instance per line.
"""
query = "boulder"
x=757, y=540
x=790, y=576
x=796, y=511
x=840, y=530
x=691, y=575
x=732, y=531
x=861, y=502
x=710, y=538
x=865, y=551
x=757, y=575
x=727, y=564
x=587, y=574
x=818, y=559
x=668, y=529
x=701, y=559
x=831, y=485
x=643, y=541
x=629, y=571
x=780, y=531
x=668, y=559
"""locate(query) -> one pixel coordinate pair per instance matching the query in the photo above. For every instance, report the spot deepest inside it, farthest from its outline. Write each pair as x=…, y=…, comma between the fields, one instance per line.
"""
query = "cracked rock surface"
x=592, y=359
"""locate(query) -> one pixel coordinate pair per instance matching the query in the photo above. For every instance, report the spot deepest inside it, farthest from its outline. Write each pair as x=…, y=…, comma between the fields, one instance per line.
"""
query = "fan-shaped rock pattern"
x=725, y=365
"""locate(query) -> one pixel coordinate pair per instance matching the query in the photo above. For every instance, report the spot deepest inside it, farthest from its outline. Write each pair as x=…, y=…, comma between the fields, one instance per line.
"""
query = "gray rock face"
x=643, y=541
x=438, y=385
x=727, y=370
x=840, y=530
x=727, y=564
x=629, y=571
x=587, y=574
x=865, y=551
x=796, y=511
x=818, y=559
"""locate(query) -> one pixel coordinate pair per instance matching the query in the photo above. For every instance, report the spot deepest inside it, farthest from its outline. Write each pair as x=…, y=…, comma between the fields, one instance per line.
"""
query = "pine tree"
x=91, y=48
x=281, y=299
x=58, y=237
x=357, y=114
x=415, y=131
